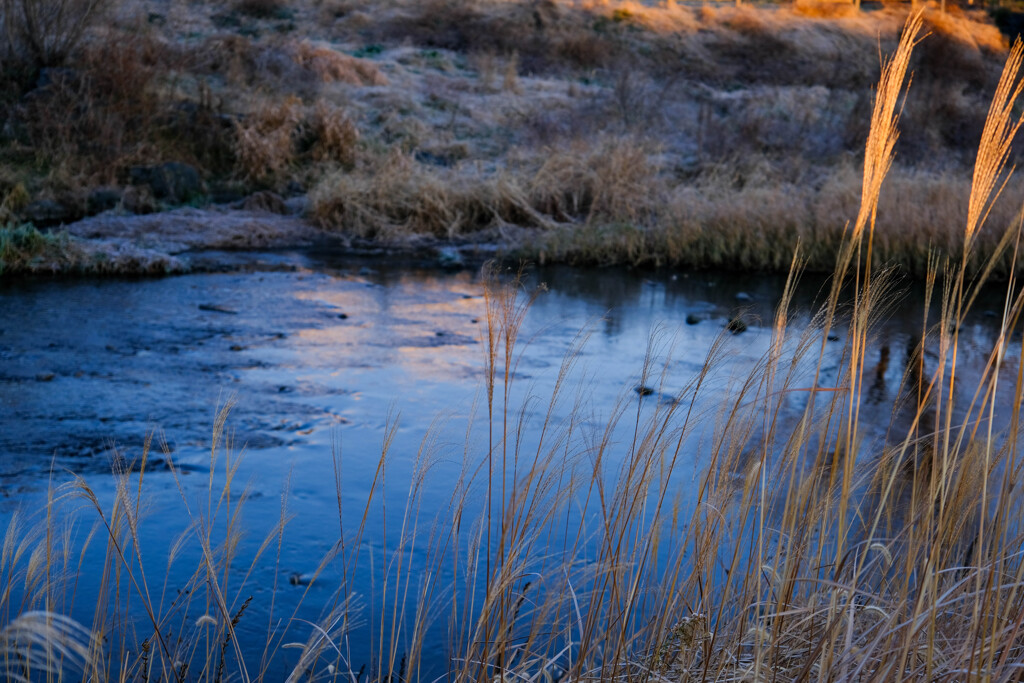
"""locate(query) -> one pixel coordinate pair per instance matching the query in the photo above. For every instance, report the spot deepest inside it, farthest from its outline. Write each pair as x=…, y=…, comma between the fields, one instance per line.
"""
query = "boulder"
x=103, y=199
x=46, y=213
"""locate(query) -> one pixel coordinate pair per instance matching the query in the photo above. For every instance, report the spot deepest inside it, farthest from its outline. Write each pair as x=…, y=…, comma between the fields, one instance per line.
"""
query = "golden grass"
x=330, y=66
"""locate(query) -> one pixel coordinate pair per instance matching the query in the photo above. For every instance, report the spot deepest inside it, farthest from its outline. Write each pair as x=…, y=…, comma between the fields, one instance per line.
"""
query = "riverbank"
x=588, y=133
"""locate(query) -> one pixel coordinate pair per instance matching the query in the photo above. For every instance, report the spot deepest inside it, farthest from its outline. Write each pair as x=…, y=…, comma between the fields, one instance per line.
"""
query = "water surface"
x=320, y=356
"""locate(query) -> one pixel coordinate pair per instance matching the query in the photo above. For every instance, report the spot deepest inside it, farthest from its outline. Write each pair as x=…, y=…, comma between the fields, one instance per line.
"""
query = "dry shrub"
x=297, y=67
x=265, y=140
x=584, y=50
x=825, y=9
x=486, y=66
x=261, y=9
x=922, y=210
x=743, y=44
x=547, y=35
x=958, y=49
x=44, y=32
x=783, y=47
x=237, y=59
x=278, y=137
x=616, y=181
x=329, y=66
x=88, y=122
x=510, y=82
x=333, y=135
x=244, y=64
x=941, y=120
x=399, y=198
x=753, y=219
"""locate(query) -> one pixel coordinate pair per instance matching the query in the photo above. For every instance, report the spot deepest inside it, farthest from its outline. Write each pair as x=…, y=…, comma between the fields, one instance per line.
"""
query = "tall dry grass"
x=803, y=549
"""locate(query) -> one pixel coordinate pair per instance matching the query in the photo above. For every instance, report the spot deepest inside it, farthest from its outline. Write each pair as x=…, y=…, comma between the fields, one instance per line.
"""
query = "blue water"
x=321, y=358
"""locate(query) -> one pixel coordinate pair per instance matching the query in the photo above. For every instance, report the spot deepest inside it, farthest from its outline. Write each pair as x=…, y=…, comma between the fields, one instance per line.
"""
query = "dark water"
x=322, y=357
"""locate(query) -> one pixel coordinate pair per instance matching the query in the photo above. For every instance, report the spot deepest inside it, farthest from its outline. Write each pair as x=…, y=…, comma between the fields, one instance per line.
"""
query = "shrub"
x=265, y=142
x=332, y=136
x=21, y=246
x=44, y=32
x=262, y=9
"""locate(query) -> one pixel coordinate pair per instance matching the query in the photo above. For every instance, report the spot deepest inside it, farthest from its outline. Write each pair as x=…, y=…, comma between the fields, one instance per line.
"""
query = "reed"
x=802, y=550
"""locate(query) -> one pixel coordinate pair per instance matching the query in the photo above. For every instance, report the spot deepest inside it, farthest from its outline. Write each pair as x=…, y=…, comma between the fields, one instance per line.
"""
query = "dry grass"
x=802, y=550
x=617, y=132
x=23, y=248
x=330, y=66
x=44, y=33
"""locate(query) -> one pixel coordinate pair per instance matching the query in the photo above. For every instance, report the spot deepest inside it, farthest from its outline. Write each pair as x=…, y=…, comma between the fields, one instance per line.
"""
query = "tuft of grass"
x=23, y=248
x=330, y=66
x=272, y=143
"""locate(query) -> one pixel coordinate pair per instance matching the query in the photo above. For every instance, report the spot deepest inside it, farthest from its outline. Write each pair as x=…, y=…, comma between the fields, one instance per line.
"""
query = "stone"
x=103, y=199
x=139, y=200
x=449, y=258
x=644, y=390
x=46, y=213
x=215, y=308
x=736, y=325
x=297, y=579
x=691, y=319
x=264, y=202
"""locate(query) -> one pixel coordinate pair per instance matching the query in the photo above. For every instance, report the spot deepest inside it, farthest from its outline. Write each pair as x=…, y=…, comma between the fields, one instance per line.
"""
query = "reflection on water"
x=325, y=357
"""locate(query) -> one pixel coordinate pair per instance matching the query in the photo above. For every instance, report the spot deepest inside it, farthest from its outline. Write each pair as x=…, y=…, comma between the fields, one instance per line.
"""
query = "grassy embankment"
x=809, y=553
x=593, y=132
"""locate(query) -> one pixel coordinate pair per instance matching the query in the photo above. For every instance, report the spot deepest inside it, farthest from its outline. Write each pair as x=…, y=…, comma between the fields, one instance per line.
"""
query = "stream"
x=321, y=356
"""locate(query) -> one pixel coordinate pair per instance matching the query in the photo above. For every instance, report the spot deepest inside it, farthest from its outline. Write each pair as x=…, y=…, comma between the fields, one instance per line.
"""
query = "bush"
x=262, y=9
x=21, y=245
x=44, y=32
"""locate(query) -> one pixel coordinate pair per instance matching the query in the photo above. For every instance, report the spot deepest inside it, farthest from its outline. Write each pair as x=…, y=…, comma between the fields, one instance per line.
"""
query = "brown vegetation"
x=806, y=551
x=613, y=132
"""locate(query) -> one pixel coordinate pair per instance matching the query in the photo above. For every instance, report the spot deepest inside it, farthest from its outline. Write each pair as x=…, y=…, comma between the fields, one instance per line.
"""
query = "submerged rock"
x=449, y=258
x=297, y=579
x=216, y=308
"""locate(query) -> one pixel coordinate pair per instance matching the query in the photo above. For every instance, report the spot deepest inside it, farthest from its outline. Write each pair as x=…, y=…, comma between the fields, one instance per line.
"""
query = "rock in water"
x=449, y=258
x=215, y=308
